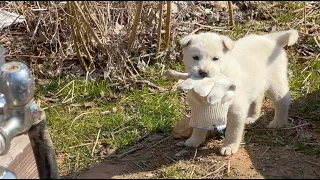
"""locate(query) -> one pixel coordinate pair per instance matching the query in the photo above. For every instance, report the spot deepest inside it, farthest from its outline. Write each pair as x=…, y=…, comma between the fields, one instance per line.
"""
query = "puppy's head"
x=205, y=54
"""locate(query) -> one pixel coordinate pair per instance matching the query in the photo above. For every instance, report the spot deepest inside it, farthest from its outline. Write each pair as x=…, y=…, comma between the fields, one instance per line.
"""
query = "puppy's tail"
x=284, y=38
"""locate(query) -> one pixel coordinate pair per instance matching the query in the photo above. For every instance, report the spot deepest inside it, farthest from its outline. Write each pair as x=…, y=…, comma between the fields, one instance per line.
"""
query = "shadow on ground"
x=265, y=153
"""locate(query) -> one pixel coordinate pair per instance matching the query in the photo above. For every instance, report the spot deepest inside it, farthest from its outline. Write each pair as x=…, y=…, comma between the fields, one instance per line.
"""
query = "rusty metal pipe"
x=43, y=151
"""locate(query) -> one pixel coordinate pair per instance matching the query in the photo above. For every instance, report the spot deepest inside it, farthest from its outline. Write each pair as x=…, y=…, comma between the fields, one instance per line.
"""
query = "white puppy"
x=256, y=64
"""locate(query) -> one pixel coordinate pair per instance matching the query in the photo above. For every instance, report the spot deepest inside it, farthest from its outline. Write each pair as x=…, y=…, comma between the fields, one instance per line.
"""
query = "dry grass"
x=90, y=34
x=111, y=38
x=63, y=38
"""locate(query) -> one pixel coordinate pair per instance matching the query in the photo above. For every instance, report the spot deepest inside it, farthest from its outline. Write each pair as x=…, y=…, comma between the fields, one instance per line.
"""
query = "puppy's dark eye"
x=215, y=58
x=196, y=58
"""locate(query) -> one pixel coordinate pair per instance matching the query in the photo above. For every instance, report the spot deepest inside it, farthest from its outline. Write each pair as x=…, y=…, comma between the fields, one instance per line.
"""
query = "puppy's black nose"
x=203, y=73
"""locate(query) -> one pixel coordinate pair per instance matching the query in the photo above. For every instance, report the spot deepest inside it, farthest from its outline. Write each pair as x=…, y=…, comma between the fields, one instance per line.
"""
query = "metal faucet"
x=17, y=110
x=19, y=115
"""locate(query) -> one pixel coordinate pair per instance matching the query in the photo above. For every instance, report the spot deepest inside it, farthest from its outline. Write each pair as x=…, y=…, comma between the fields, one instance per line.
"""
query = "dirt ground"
x=254, y=162
x=255, y=159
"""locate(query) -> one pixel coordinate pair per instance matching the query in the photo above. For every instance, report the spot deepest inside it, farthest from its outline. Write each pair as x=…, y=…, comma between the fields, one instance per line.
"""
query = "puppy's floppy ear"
x=186, y=41
x=227, y=42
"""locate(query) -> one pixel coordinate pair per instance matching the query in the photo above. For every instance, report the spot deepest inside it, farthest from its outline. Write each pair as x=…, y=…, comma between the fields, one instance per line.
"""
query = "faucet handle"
x=16, y=83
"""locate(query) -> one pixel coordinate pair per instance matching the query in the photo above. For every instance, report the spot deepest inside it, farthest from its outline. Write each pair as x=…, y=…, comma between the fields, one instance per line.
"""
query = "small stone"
x=306, y=135
x=180, y=153
x=180, y=143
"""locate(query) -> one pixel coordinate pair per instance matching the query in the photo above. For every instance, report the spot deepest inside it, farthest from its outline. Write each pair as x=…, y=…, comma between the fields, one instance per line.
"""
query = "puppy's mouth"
x=196, y=71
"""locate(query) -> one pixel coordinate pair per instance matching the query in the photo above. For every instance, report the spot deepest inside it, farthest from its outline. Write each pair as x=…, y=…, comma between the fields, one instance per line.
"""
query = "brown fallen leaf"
x=89, y=104
x=182, y=129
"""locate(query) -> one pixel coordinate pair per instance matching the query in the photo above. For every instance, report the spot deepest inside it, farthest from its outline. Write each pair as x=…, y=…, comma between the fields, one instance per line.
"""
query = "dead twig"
x=168, y=157
x=162, y=140
x=273, y=129
x=138, y=147
x=91, y=31
x=301, y=125
x=264, y=153
x=82, y=41
x=30, y=56
x=217, y=170
x=159, y=27
x=313, y=163
x=316, y=40
x=142, y=138
x=196, y=30
x=168, y=25
x=195, y=154
x=135, y=25
x=73, y=34
x=96, y=142
x=305, y=17
x=230, y=10
x=312, y=144
x=85, y=113
x=141, y=168
x=192, y=172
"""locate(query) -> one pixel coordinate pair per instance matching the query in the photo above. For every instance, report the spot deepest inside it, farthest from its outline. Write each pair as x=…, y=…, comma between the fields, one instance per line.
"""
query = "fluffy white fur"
x=256, y=64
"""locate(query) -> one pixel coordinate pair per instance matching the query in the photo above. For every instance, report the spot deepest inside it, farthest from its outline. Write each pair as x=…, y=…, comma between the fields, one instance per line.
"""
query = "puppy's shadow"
x=291, y=152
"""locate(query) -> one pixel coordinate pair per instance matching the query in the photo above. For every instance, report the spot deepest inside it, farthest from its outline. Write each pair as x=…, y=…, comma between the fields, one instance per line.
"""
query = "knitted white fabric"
x=204, y=115
x=212, y=115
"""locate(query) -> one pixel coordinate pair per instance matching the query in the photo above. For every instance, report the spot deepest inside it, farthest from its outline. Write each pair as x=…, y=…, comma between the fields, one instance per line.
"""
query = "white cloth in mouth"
x=209, y=99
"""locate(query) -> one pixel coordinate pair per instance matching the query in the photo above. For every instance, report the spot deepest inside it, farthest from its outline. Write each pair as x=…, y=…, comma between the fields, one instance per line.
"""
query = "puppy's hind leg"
x=255, y=110
x=281, y=99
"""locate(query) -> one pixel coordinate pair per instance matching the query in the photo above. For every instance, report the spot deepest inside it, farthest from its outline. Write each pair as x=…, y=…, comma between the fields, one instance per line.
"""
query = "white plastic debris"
x=208, y=11
x=7, y=19
x=141, y=65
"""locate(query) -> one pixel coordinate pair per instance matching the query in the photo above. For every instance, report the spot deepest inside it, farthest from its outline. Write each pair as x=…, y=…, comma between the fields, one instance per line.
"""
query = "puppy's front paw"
x=276, y=124
x=193, y=142
x=229, y=149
